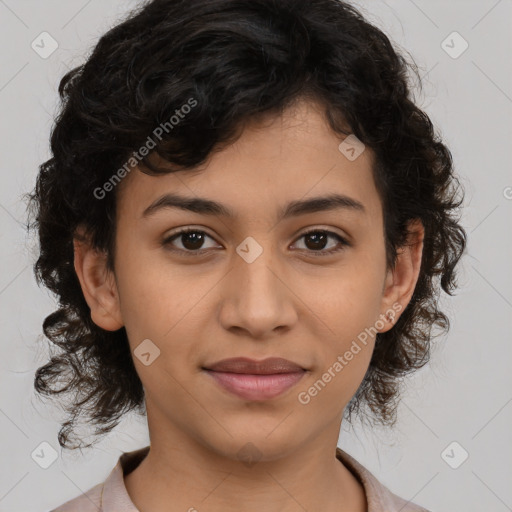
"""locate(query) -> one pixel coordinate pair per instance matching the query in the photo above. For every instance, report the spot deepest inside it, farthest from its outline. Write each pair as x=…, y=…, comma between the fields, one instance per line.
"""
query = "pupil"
x=196, y=238
x=318, y=240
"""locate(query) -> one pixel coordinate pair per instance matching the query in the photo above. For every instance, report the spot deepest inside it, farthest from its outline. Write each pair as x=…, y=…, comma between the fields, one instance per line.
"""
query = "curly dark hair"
x=239, y=60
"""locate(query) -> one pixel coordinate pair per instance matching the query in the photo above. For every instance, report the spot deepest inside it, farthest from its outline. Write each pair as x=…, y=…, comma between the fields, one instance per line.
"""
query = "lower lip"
x=256, y=387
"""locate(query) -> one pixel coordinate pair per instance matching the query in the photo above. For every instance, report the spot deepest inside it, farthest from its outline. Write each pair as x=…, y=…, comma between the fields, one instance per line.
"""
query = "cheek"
x=348, y=308
x=348, y=299
x=161, y=303
x=154, y=294
x=328, y=391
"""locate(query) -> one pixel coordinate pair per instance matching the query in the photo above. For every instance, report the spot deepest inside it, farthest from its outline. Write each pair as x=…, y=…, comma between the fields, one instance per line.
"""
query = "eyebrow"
x=292, y=209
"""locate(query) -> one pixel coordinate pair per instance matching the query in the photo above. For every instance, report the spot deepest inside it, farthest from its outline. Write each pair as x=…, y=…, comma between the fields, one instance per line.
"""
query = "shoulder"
x=89, y=501
x=379, y=497
x=393, y=502
x=110, y=495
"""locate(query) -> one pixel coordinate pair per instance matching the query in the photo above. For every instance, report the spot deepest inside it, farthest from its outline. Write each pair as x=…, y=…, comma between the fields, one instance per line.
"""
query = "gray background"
x=462, y=395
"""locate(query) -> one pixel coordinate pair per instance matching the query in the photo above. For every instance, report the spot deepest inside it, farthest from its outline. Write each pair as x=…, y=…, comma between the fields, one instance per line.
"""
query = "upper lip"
x=271, y=365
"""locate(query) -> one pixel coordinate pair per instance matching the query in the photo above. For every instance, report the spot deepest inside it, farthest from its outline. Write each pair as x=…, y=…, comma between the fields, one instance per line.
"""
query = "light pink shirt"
x=112, y=496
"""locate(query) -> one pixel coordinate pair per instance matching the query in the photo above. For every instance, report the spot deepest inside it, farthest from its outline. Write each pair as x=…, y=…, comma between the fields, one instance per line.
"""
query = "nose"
x=258, y=300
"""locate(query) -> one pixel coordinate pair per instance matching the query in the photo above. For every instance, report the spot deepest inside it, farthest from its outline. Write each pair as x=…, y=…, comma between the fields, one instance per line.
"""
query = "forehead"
x=275, y=161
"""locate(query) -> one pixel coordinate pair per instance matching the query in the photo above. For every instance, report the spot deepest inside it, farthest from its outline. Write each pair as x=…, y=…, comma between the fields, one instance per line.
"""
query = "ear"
x=97, y=282
x=401, y=281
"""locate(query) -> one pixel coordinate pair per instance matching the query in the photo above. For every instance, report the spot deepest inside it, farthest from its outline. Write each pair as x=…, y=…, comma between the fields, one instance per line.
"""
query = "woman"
x=248, y=222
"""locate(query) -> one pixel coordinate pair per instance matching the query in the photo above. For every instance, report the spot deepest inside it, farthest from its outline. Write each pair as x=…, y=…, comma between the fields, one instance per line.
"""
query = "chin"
x=251, y=443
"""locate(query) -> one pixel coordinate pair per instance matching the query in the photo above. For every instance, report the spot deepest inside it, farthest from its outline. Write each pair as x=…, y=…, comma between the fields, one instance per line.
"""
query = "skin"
x=287, y=303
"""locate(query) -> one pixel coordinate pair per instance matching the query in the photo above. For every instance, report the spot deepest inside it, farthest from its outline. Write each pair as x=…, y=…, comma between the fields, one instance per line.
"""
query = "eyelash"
x=344, y=243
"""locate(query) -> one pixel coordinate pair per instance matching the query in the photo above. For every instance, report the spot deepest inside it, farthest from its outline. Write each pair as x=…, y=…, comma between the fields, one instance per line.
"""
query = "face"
x=254, y=284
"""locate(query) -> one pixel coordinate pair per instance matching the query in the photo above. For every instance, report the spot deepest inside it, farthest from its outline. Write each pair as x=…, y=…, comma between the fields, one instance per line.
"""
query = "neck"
x=179, y=475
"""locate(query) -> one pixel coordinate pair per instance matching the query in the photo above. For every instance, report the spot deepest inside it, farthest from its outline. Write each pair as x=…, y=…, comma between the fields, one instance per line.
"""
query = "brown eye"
x=192, y=240
x=316, y=241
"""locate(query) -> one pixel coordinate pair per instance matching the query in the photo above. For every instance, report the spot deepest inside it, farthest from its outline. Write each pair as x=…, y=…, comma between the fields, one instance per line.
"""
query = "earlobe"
x=98, y=285
x=401, y=281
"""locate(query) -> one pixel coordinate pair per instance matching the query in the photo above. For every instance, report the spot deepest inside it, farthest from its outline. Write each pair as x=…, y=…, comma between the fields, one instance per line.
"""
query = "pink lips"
x=256, y=380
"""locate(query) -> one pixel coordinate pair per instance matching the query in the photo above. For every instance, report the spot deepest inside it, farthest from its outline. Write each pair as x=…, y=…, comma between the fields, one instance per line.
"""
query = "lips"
x=269, y=366
x=255, y=380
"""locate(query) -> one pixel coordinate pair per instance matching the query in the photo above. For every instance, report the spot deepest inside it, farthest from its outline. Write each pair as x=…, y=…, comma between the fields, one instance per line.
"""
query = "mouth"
x=256, y=380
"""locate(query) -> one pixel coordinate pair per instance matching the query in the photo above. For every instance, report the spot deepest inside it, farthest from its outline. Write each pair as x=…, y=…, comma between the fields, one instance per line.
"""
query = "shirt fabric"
x=112, y=496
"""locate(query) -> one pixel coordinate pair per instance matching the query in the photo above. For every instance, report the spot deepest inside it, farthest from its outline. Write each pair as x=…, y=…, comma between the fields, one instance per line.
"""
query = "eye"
x=316, y=239
x=191, y=241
